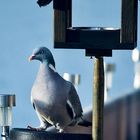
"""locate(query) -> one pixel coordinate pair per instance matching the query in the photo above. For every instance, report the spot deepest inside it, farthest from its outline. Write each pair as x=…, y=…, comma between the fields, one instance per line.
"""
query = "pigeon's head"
x=42, y=54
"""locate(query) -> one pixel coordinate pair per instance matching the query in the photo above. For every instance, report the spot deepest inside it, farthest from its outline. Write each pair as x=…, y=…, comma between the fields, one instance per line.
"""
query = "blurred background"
x=25, y=26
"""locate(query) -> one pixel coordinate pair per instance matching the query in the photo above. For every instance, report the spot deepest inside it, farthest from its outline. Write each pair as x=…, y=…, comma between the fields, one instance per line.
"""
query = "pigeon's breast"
x=49, y=94
x=52, y=108
x=50, y=91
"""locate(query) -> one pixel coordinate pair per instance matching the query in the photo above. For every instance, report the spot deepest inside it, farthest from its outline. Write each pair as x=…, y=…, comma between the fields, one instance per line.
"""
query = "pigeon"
x=43, y=2
x=54, y=99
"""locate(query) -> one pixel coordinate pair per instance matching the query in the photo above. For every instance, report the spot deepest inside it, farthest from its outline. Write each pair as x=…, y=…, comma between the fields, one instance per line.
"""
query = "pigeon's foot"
x=61, y=131
x=37, y=128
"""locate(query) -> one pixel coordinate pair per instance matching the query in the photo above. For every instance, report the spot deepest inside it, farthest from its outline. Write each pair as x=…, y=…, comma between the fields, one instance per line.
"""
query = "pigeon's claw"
x=41, y=128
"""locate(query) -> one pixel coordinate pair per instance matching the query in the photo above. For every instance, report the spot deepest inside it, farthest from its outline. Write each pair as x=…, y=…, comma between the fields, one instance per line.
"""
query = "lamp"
x=136, y=60
x=6, y=104
x=109, y=70
x=73, y=78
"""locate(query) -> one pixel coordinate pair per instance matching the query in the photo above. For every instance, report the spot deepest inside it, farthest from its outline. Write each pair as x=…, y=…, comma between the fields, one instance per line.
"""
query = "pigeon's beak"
x=31, y=57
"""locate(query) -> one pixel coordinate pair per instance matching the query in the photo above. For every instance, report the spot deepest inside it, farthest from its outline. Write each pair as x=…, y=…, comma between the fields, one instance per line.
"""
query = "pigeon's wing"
x=73, y=104
x=43, y=121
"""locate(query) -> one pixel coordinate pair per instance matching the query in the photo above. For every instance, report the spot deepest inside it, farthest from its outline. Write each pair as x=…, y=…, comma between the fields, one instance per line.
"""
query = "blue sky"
x=25, y=26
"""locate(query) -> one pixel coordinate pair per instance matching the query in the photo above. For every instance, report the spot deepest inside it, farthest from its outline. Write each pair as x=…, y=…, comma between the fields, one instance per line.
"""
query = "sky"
x=25, y=26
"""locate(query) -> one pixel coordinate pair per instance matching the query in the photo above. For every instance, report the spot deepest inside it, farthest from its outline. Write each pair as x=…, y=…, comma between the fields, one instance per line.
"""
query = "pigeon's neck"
x=46, y=67
x=44, y=73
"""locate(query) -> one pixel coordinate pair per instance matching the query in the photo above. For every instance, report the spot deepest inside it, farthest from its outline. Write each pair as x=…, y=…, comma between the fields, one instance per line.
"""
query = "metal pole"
x=5, y=133
x=98, y=99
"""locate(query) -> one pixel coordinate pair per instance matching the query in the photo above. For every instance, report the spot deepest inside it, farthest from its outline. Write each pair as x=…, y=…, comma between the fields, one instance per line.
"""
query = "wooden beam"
x=62, y=18
x=93, y=36
x=129, y=21
x=96, y=52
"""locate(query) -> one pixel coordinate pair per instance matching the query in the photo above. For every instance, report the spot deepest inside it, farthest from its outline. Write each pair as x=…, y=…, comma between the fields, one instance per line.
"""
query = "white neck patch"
x=52, y=67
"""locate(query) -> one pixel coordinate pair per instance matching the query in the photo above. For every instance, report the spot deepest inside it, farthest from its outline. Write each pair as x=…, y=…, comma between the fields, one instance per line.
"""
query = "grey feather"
x=75, y=102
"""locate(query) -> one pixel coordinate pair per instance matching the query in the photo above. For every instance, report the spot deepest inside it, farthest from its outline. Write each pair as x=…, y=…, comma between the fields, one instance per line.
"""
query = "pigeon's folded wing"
x=74, y=103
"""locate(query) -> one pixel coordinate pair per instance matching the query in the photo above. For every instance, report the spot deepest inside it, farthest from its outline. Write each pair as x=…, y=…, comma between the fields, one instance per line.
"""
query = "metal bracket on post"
x=98, y=99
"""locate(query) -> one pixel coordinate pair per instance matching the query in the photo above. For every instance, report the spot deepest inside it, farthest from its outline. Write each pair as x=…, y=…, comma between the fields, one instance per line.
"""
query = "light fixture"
x=136, y=60
x=73, y=78
x=135, y=55
x=6, y=104
x=109, y=70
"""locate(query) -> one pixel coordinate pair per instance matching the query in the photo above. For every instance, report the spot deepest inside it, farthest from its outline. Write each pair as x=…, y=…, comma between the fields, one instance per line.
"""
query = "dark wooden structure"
x=26, y=134
x=95, y=40
x=98, y=42
x=129, y=22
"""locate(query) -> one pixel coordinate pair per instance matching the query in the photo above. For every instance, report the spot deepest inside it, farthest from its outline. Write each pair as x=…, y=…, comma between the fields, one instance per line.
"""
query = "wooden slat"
x=118, y=46
x=88, y=38
x=62, y=18
x=93, y=36
x=129, y=21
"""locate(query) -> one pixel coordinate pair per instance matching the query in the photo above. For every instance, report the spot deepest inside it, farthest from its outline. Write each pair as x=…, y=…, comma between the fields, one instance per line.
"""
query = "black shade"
x=129, y=17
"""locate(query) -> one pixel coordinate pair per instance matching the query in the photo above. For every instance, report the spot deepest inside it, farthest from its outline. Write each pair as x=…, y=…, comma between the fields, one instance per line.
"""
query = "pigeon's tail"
x=84, y=123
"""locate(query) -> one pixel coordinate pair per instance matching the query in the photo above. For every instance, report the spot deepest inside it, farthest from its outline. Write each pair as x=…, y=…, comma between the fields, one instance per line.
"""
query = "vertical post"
x=98, y=99
x=62, y=19
x=129, y=15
